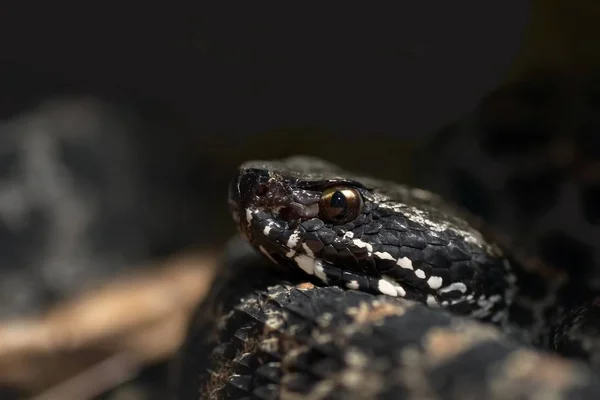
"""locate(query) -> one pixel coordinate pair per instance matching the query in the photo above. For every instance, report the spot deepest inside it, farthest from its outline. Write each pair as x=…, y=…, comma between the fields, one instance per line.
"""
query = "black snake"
x=371, y=289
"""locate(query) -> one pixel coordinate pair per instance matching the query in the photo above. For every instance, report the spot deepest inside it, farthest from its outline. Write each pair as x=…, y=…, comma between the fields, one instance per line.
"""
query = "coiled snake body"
x=371, y=289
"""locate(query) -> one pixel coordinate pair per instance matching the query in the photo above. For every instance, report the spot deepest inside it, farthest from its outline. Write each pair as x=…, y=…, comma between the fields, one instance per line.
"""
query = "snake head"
x=366, y=234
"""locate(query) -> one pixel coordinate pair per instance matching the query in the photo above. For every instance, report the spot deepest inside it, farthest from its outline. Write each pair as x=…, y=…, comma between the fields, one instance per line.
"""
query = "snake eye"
x=340, y=204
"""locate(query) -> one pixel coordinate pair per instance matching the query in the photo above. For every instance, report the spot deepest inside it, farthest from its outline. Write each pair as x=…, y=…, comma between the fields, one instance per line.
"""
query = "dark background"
x=401, y=70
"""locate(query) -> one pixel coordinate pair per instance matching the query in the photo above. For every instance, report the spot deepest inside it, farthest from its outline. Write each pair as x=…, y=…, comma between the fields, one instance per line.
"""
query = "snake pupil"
x=338, y=205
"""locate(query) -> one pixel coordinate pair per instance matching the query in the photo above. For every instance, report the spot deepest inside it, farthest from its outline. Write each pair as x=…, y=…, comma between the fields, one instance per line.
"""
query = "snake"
x=344, y=286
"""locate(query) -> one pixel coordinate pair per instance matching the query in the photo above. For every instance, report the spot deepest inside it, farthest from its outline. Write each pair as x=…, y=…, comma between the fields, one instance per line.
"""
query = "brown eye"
x=340, y=204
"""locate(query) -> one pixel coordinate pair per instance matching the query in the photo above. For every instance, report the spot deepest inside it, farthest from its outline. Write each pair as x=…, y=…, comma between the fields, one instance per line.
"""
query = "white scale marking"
x=461, y=287
x=431, y=301
x=405, y=262
x=384, y=255
x=267, y=230
x=435, y=282
x=306, y=263
x=291, y=243
x=352, y=285
x=293, y=240
x=361, y=244
x=319, y=271
x=349, y=235
x=399, y=290
x=387, y=288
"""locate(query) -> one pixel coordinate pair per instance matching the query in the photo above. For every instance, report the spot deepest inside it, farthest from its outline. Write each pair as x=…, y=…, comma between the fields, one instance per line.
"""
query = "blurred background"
x=121, y=127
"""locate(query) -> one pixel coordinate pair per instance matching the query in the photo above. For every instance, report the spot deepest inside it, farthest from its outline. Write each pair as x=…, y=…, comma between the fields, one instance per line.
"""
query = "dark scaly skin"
x=275, y=335
x=232, y=323
x=406, y=236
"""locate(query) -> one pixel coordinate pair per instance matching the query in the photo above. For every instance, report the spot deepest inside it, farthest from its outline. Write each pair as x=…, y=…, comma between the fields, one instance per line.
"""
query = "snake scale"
x=350, y=287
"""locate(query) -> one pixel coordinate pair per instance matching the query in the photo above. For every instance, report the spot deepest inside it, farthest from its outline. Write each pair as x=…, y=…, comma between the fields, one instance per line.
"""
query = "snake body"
x=372, y=289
